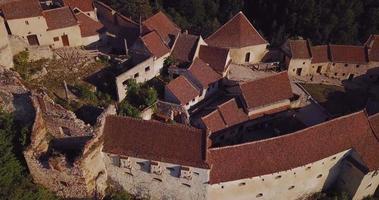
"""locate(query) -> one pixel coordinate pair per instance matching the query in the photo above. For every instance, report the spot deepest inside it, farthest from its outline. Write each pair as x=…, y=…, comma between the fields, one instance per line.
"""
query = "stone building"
x=6, y=58
x=54, y=28
x=149, y=51
x=341, y=62
x=238, y=35
x=139, y=156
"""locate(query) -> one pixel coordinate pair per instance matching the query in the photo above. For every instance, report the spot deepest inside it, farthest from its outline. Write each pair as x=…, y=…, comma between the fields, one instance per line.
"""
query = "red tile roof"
x=227, y=115
x=185, y=47
x=183, y=89
x=83, y=5
x=267, y=90
x=153, y=140
x=372, y=45
x=236, y=33
x=299, y=49
x=216, y=57
x=348, y=54
x=203, y=73
x=88, y=26
x=154, y=44
x=374, y=122
x=294, y=150
x=320, y=54
x=59, y=18
x=163, y=25
x=18, y=9
x=214, y=121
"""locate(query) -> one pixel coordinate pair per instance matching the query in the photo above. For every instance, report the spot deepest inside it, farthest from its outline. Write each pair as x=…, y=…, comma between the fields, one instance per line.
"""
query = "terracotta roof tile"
x=185, y=47
x=59, y=18
x=294, y=150
x=183, y=89
x=373, y=48
x=237, y=32
x=299, y=49
x=154, y=44
x=214, y=121
x=88, y=26
x=18, y=9
x=266, y=90
x=83, y=5
x=226, y=115
x=374, y=121
x=348, y=54
x=163, y=25
x=231, y=114
x=216, y=57
x=153, y=140
x=203, y=73
x=320, y=54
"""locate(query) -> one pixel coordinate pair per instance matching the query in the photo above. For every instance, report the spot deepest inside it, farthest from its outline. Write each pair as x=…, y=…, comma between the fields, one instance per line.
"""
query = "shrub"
x=125, y=109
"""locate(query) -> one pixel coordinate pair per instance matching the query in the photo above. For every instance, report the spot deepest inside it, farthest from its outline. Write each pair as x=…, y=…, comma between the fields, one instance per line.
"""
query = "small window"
x=357, y=66
x=222, y=187
x=147, y=69
x=278, y=177
x=259, y=195
x=335, y=74
x=319, y=176
x=308, y=168
x=334, y=64
x=27, y=22
x=292, y=187
x=303, y=63
x=343, y=74
x=334, y=158
x=56, y=39
x=136, y=75
x=193, y=100
x=242, y=184
x=157, y=179
x=369, y=186
x=346, y=65
x=247, y=57
x=187, y=104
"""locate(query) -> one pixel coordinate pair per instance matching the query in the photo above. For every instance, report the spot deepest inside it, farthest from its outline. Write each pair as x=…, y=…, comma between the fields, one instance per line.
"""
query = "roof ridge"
x=265, y=77
x=291, y=134
x=154, y=121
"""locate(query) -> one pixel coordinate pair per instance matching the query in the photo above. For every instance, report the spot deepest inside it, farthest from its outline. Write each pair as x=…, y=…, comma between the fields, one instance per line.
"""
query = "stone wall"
x=157, y=181
x=6, y=58
x=256, y=54
x=68, y=175
x=292, y=184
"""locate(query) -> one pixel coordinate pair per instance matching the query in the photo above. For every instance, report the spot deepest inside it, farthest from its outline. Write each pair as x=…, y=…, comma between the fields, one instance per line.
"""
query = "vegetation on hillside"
x=15, y=182
x=138, y=97
x=321, y=21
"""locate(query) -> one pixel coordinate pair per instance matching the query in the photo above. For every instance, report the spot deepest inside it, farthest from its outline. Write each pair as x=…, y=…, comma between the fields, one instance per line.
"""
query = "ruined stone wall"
x=69, y=176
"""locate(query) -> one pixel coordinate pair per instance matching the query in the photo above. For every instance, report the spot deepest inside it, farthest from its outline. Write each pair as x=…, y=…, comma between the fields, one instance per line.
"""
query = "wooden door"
x=65, y=40
x=33, y=40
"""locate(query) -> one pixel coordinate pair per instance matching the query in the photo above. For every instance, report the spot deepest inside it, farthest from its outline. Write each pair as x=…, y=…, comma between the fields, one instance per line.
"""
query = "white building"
x=158, y=160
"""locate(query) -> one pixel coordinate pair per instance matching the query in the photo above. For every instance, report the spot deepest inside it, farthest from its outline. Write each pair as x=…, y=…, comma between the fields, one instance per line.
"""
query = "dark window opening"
x=242, y=184
x=247, y=57
x=346, y=65
x=319, y=68
x=26, y=22
x=292, y=187
x=56, y=39
x=278, y=177
x=319, y=176
x=147, y=69
x=259, y=195
x=298, y=71
x=157, y=179
x=136, y=75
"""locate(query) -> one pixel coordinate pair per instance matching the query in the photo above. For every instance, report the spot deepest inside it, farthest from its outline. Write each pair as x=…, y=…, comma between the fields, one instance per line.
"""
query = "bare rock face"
x=14, y=96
